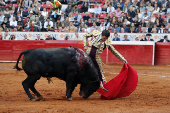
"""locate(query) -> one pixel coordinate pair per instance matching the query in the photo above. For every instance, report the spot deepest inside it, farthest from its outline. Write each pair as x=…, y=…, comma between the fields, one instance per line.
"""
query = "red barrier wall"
x=162, y=53
x=135, y=54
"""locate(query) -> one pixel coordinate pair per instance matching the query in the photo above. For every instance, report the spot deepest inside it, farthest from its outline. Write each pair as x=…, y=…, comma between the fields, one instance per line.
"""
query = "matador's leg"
x=100, y=66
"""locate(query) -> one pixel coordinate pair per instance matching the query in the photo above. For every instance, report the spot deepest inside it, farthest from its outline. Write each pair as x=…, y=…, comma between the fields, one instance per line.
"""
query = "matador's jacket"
x=96, y=46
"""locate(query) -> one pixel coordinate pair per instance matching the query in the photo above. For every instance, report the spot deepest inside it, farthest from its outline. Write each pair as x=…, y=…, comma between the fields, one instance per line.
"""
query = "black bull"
x=72, y=65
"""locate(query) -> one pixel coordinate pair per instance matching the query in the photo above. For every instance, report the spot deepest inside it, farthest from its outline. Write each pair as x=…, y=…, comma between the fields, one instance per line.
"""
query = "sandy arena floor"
x=151, y=96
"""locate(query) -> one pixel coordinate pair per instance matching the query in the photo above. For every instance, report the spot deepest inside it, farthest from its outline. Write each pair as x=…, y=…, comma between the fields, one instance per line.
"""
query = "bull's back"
x=47, y=61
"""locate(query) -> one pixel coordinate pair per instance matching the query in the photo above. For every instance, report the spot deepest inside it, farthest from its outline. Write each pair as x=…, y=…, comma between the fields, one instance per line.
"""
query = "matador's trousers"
x=95, y=56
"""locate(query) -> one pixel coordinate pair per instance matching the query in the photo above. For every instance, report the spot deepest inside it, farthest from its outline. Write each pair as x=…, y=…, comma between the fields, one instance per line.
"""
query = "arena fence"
x=134, y=52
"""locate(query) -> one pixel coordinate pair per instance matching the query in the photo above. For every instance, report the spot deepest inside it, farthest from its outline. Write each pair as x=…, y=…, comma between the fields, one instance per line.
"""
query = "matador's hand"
x=125, y=61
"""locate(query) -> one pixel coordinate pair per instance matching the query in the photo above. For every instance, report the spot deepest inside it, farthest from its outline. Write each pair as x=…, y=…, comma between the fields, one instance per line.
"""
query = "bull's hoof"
x=39, y=98
x=69, y=99
x=33, y=99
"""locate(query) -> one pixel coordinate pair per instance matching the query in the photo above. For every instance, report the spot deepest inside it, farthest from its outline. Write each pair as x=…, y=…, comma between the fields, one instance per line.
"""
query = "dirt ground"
x=152, y=94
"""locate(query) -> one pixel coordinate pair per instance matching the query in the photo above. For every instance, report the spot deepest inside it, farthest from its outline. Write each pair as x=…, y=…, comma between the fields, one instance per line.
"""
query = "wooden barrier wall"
x=135, y=54
x=162, y=53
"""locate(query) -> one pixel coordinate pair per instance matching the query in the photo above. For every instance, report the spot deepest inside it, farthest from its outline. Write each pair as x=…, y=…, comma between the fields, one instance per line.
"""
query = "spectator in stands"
x=86, y=16
x=153, y=19
x=45, y=13
x=97, y=10
x=78, y=16
x=116, y=26
x=122, y=30
x=150, y=23
x=71, y=27
x=6, y=21
x=159, y=17
x=131, y=13
x=17, y=8
x=63, y=27
x=156, y=9
x=126, y=29
x=6, y=36
x=89, y=23
x=54, y=6
x=94, y=26
x=93, y=18
x=158, y=3
x=38, y=23
x=79, y=28
x=39, y=7
x=165, y=40
x=12, y=37
x=25, y=37
x=114, y=3
x=57, y=24
x=126, y=8
x=33, y=28
x=2, y=3
x=148, y=29
x=119, y=21
x=112, y=24
x=104, y=9
x=161, y=29
x=145, y=18
x=6, y=12
x=150, y=8
x=13, y=23
x=91, y=9
x=35, y=3
x=20, y=24
x=62, y=17
x=49, y=37
x=110, y=8
x=133, y=29
x=146, y=11
x=117, y=12
x=28, y=3
x=71, y=17
x=141, y=8
x=19, y=16
x=26, y=13
x=166, y=30
x=27, y=23
x=75, y=8
x=97, y=22
x=75, y=23
x=163, y=10
x=135, y=21
x=55, y=16
x=106, y=23
x=148, y=37
x=66, y=22
x=36, y=11
x=2, y=16
x=32, y=17
x=48, y=25
x=116, y=38
x=68, y=9
x=125, y=38
x=4, y=26
x=76, y=30
x=41, y=18
x=38, y=37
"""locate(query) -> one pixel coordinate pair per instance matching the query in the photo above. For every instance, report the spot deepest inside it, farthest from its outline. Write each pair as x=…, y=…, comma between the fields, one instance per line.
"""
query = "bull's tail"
x=16, y=66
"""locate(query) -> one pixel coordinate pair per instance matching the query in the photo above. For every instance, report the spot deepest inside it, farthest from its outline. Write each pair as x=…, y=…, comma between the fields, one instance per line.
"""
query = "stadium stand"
x=136, y=16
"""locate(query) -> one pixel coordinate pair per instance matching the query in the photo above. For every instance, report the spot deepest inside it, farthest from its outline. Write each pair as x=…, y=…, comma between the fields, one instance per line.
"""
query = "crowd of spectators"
x=118, y=16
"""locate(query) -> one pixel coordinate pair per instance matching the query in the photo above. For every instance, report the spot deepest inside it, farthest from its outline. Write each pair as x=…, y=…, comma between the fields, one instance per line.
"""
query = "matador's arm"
x=85, y=40
x=117, y=54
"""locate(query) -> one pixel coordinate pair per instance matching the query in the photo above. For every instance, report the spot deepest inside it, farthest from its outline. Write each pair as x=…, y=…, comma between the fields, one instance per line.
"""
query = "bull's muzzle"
x=101, y=85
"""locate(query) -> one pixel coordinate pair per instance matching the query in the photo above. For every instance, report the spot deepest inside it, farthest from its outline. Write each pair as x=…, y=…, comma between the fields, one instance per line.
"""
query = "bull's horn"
x=101, y=85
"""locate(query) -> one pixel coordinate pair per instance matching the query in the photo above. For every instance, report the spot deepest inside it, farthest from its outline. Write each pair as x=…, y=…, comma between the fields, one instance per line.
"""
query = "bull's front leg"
x=70, y=86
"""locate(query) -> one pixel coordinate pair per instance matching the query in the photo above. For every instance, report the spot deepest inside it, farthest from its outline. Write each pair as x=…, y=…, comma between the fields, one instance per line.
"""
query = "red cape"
x=122, y=85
